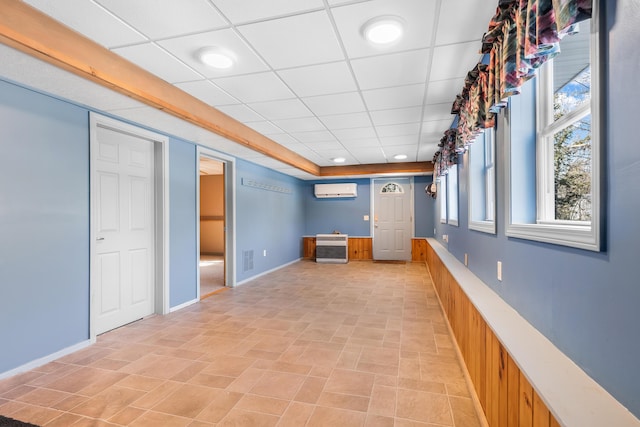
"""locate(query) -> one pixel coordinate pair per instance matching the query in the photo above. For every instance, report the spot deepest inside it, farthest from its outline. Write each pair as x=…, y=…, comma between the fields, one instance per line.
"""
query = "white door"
x=392, y=219
x=123, y=226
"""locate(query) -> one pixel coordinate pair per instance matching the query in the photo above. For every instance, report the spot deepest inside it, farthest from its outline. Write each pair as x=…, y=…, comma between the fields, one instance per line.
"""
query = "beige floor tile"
x=360, y=344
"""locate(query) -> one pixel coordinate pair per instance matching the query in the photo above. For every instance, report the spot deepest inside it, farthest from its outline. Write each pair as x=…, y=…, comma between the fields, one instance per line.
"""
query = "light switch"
x=366, y=217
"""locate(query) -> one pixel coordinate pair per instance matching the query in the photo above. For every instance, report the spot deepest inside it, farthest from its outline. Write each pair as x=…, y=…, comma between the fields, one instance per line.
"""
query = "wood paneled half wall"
x=359, y=248
x=520, y=378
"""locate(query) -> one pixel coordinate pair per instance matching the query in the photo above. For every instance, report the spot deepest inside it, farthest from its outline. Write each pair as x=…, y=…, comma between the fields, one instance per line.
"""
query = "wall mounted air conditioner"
x=348, y=189
x=332, y=248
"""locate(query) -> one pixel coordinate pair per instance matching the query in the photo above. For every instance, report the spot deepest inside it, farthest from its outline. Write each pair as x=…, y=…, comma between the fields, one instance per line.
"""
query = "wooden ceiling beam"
x=378, y=168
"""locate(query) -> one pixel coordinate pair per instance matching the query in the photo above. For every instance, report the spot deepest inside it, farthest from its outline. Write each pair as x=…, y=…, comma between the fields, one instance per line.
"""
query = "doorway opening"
x=212, y=227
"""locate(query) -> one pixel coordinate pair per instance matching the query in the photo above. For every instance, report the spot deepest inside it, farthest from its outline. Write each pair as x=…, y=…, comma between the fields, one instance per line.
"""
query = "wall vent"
x=247, y=260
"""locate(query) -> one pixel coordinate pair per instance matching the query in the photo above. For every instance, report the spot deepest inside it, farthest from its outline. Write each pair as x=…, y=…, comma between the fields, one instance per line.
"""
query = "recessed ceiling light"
x=400, y=156
x=383, y=29
x=339, y=160
x=216, y=57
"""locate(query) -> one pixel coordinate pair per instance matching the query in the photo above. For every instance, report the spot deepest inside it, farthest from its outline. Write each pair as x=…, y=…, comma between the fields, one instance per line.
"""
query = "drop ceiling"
x=304, y=76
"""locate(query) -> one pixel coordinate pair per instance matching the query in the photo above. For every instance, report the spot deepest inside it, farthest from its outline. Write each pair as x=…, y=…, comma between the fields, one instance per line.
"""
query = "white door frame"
x=161, y=208
x=229, y=214
x=372, y=209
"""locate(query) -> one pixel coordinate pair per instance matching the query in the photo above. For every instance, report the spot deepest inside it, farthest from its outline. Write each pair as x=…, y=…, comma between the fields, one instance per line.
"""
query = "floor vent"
x=332, y=248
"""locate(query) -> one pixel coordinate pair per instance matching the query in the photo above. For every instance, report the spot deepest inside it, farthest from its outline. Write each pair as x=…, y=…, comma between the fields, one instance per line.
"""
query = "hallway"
x=358, y=344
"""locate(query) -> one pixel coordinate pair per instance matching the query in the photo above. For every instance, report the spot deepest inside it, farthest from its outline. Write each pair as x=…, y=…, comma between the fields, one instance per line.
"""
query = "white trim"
x=559, y=233
x=451, y=197
x=573, y=397
x=230, y=213
x=184, y=305
x=268, y=271
x=161, y=234
x=48, y=358
x=484, y=226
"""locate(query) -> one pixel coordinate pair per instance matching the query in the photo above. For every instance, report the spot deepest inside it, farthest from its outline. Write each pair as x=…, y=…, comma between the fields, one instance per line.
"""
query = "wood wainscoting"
x=506, y=396
x=360, y=248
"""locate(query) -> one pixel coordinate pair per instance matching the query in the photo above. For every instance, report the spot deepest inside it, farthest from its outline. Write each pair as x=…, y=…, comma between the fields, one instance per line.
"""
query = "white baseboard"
x=46, y=359
x=267, y=272
x=183, y=305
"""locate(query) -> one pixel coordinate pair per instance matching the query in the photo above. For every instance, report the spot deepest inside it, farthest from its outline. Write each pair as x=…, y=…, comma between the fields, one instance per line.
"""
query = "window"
x=482, y=182
x=442, y=190
x=452, y=195
x=564, y=208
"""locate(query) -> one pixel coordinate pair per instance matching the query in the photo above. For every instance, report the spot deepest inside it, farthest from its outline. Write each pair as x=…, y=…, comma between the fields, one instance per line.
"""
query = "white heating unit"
x=332, y=248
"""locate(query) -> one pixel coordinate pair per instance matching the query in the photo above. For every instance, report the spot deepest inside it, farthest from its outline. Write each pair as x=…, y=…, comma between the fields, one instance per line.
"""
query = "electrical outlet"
x=466, y=260
x=445, y=237
x=366, y=217
x=434, y=232
x=264, y=252
x=500, y=271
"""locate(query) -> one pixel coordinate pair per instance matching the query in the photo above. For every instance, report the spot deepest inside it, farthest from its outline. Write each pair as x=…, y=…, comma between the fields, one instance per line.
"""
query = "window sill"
x=576, y=236
x=453, y=222
x=488, y=227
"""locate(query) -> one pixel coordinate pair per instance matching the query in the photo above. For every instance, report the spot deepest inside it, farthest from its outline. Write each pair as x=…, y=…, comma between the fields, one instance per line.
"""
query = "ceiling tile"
x=284, y=109
x=91, y=20
x=397, y=116
x=186, y=49
x=444, y=91
x=369, y=155
x=417, y=14
x=242, y=113
x=320, y=146
x=456, y=27
x=168, y=19
x=356, y=133
x=315, y=136
x=320, y=79
x=286, y=140
x=409, y=150
x=294, y=41
x=255, y=87
x=398, y=130
x=437, y=126
x=396, y=97
x=341, y=103
x=454, y=60
x=438, y=111
x=299, y=125
x=399, y=140
x=157, y=61
x=346, y=121
x=265, y=128
x=252, y=10
x=394, y=69
x=361, y=143
x=207, y=92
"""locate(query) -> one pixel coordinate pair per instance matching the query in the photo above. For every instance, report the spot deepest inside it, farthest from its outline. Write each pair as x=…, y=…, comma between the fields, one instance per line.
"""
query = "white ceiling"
x=304, y=76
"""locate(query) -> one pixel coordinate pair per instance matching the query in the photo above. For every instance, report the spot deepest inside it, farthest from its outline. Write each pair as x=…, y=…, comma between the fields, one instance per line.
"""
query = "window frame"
x=486, y=225
x=442, y=189
x=453, y=202
x=567, y=233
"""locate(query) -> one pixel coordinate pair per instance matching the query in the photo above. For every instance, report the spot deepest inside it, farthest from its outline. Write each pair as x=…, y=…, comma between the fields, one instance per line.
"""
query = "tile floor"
x=211, y=274
x=358, y=344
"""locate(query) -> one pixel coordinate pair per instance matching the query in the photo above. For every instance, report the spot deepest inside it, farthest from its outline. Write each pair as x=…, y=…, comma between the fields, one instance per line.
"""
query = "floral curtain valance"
x=522, y=35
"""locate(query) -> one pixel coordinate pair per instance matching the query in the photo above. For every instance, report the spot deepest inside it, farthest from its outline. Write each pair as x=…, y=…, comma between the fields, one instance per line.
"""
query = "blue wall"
x=425, y=207
x=267, y=220
x=183, y=222
x=586, y=303
x=44, y=225
x=344, y=215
